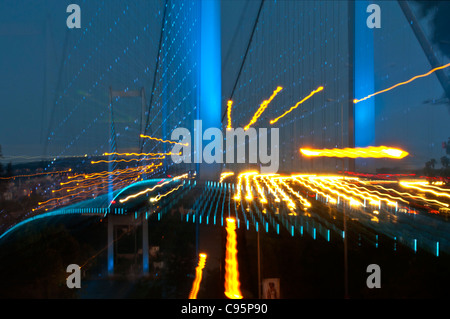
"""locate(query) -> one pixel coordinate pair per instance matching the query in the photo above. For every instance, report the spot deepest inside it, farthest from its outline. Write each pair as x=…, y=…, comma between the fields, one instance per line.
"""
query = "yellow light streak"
x=152, y=188
x=55, y=201
x=123, y=174
x=128, y=161
x=141, y=154
x=81, y=177
x=402, y=83
x=97, y=183
x=278, y=189
x=198, y=276
x=229, y=105
x=320, y=88
x=300, y=179
x=381, y=194
x=424, y=189
x=158, y=197
x=237, y=195
x=162, y=141
x=225, y=175
x=433, y=186
x=123, y=200
x=185, y=175
x=267, y=181
x=262, y=197
x=365, y=152
x=352, y=189
x=318, y=181
x=249, y=195
x=262, y=107
x=232, y=284
x=239, y=185
x=412, y=196
x=303, y=200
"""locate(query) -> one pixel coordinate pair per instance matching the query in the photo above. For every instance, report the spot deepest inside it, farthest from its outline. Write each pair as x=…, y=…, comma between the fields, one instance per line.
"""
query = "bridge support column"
x=110, y=246
x=210, y=84
x=128, y=220
x=145, y=260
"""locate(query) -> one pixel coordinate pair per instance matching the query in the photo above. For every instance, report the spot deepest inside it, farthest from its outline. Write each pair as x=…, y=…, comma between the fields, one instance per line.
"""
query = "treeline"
x=433, y=171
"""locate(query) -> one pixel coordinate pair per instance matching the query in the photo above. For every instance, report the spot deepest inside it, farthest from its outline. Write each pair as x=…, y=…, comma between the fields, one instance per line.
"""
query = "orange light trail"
x=303, y=200
x=424, y=189
x=425, y=184
x=372, y=191
x=162, y=141
x=271, y=190
x=232, y=284
x=319, y=182
x=225, y=175
x=141, y=154
x=373, y=199
x=262, y=197
x=198, y=276
x=403, y=83
x=37, y=174
x=262, y=107
x=239, y=185
x=96, y=182
x=412, y=196
x=229, y=104
x=283, y=194
x=249, y=195
x=364, y=152
x=143, y=169
x=353, y=190
x=128, y=161
x=88, y=179
x=301, y=180
x=320, y=88
x=55, y=201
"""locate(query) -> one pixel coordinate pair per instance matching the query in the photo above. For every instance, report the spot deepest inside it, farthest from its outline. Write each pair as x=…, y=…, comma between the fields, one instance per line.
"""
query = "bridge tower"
x=112, y=139
x=210, y=85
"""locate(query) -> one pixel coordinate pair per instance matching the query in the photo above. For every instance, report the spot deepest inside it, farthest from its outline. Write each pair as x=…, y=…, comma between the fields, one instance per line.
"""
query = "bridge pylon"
x=131, y=221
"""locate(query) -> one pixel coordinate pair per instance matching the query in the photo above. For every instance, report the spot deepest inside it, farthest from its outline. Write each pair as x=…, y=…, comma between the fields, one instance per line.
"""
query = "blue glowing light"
x=363, y=80
x=210, y=88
